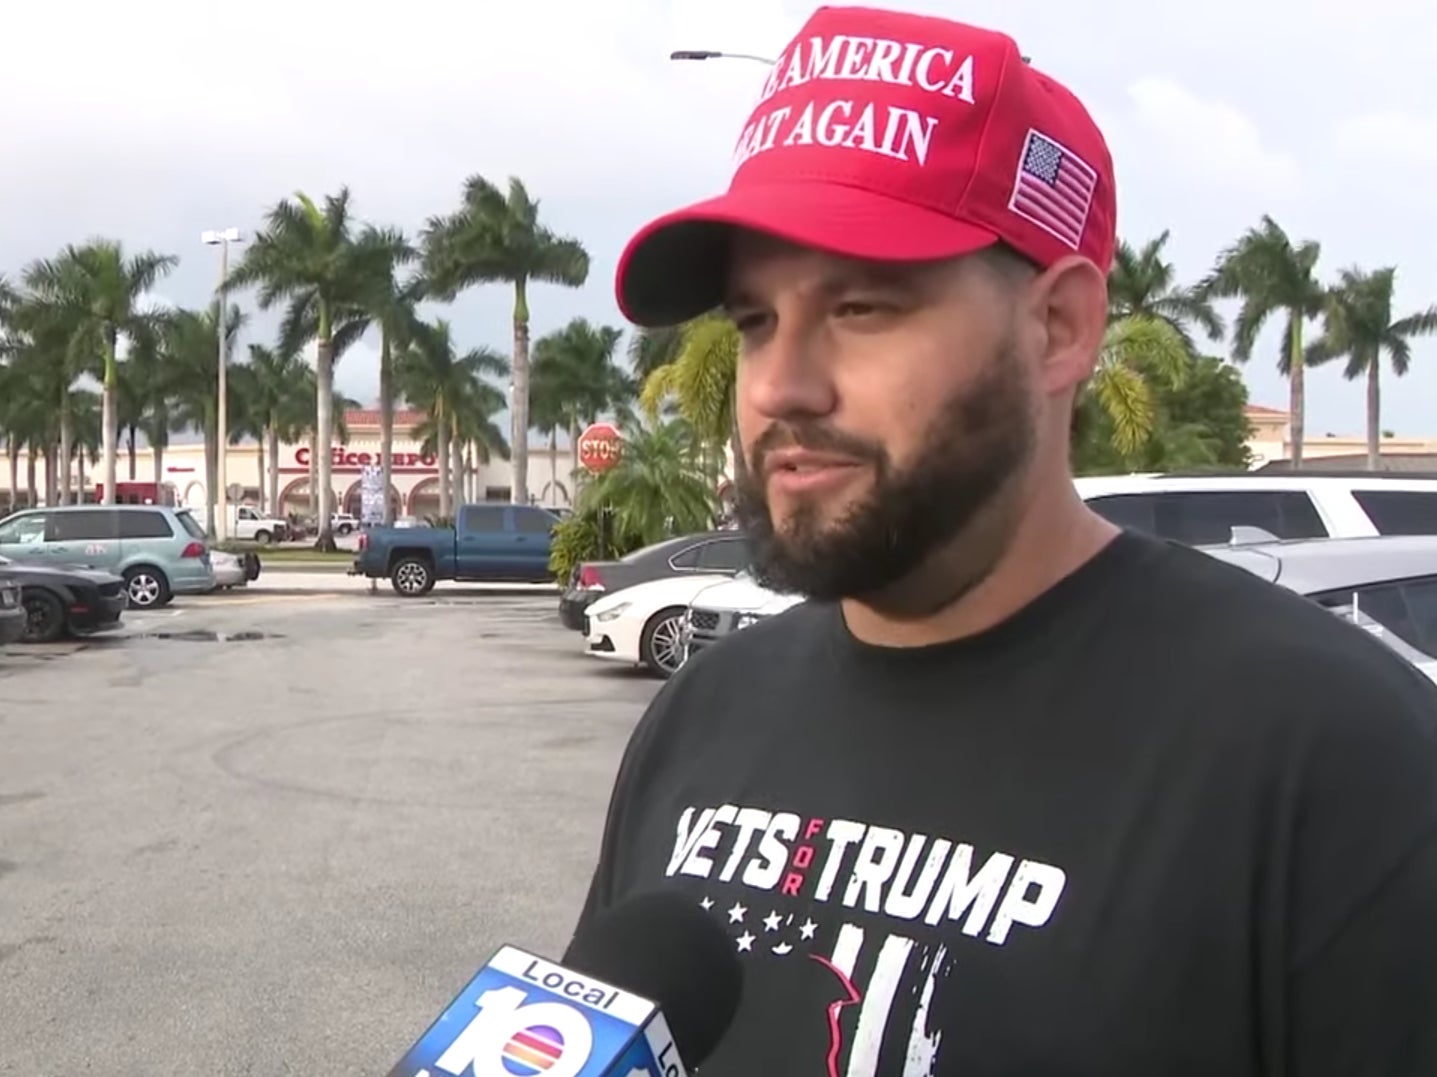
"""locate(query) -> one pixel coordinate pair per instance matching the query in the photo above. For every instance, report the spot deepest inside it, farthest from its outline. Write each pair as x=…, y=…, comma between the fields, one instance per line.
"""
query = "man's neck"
x=1055, y=537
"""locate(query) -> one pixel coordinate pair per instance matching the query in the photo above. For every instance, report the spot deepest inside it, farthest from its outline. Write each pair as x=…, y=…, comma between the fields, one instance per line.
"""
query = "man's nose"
x=788, y=374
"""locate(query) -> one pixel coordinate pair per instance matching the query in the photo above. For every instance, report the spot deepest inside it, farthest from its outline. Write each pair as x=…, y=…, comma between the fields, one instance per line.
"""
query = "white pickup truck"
x=248, y=524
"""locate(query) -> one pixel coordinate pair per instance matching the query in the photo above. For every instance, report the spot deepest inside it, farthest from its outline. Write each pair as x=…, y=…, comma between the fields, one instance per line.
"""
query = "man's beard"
x=982, y=437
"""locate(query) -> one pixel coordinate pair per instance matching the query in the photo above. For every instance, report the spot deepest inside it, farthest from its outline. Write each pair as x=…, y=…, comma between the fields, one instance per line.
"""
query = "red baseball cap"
x=887, y=136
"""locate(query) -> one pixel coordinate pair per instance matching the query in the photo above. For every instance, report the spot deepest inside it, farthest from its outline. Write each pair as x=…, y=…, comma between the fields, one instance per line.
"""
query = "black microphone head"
x=663, y=947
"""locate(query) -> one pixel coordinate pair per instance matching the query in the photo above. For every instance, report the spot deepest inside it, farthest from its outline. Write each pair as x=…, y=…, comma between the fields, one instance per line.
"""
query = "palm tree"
x=1134, y=350
x=144, y=393
x=277, y=394
x=657, y=488
x=498, y=238
x=42, y=338
x=476, y=438
x=440, y=382
x=390, y=304
x=650, y=349
x=193, y=357
x=1358, y=325
x=701, y=381
x=100, y=292
x=148, y=380
x=575, y=380
x=1271, y=274
x=1142, y=282
x=307, y=256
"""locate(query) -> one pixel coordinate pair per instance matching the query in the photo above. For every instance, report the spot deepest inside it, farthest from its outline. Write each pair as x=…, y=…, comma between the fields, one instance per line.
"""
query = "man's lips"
x=801, y=471
x=791, y=460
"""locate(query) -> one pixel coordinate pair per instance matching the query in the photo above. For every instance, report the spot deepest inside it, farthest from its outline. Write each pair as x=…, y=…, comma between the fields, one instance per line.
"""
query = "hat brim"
x=676, y=267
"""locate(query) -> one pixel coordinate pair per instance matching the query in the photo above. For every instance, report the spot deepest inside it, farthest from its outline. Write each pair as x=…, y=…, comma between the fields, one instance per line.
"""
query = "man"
x=1014, y=793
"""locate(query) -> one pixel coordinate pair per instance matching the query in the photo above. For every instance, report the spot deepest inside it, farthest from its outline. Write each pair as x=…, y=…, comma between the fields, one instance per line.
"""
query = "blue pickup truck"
x=494, y=543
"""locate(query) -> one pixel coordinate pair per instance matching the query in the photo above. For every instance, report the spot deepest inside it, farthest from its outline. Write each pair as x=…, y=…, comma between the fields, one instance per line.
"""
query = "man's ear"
x=1070, y=302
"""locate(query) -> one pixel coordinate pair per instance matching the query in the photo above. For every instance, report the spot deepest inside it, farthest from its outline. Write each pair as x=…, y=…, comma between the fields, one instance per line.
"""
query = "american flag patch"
x=1054, y=189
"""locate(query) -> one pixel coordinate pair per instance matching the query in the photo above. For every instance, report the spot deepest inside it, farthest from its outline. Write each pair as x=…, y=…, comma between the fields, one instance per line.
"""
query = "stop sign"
x=600, y=446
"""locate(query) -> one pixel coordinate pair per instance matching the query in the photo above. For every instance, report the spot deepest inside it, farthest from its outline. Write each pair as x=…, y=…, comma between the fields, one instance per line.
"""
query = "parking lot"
x=274, y=834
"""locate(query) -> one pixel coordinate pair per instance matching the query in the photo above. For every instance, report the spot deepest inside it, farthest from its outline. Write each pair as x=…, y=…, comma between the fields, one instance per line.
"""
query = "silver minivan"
x=160, y=551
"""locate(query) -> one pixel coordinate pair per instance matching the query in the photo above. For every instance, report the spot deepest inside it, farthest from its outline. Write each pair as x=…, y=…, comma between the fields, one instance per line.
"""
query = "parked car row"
x=75, y=569
x=1363, y=545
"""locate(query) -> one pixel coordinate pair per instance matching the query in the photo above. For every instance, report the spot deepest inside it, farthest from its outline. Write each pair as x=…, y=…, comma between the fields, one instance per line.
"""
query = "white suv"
x=1200, y=510
x=1196, y=510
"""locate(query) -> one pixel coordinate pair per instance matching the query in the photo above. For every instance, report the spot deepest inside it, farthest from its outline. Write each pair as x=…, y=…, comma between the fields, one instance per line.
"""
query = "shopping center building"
x=415, y=474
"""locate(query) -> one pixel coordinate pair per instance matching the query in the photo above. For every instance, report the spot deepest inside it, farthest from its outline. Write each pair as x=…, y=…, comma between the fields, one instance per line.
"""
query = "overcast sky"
x=153, y=120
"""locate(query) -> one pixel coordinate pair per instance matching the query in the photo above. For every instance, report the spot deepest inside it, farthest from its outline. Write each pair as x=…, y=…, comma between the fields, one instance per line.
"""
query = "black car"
x=12, y=610
x=707, y=553
x=60, y=601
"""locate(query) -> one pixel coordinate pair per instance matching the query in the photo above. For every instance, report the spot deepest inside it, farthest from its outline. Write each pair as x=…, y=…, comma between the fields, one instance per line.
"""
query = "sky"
x=151, y=121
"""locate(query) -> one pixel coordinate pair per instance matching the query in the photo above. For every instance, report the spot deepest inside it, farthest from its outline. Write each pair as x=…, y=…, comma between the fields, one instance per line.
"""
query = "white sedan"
x=643, y=625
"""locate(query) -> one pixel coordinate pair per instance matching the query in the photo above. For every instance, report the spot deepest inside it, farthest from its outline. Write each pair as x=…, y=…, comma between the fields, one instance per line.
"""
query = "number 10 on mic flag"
x=522, y=1016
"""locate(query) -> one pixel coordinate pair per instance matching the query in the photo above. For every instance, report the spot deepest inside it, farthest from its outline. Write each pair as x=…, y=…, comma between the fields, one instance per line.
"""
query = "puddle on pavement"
x=202, y=636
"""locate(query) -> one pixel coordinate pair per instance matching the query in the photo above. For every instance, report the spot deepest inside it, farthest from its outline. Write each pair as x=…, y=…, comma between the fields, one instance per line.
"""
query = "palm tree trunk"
x=130, y=445
x=519, y=406
x=1297, y=399
x=51, y=476
x=212, y=472
x=263, y=501
x=157, y=435
x=32, y=494
x=272, y=438
x=67, y=448
x=554, y=467
x=108, y=424
x=386, y=424
x=461, y=482
x=441, y=438
x=12, y=450
x=314, y=476
x=1374, y=413
x=324, y=416
x=574, y=452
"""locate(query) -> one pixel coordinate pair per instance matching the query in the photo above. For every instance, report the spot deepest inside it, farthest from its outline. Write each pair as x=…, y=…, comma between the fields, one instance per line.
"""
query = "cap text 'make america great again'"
x=904, y=134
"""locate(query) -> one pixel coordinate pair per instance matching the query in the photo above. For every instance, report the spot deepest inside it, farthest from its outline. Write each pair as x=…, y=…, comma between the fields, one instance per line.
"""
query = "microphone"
x=646, y=989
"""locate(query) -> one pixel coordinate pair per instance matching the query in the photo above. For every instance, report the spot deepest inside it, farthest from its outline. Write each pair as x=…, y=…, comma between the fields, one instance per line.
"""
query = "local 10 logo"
x=522, y=1016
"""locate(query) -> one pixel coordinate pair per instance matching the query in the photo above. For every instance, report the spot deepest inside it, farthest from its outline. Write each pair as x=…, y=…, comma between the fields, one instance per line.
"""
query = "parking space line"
x=254, y=600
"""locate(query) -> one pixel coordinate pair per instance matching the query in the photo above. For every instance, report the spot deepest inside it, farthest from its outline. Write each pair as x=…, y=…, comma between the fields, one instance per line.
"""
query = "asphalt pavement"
x=273, y=833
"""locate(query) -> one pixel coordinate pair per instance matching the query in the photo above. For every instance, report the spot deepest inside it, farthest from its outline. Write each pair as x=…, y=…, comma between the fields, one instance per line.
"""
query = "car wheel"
x=146, y=587
x=44, y=617
x=251, y=566
x=661, y=646
x=264, y=538
x=412, y=577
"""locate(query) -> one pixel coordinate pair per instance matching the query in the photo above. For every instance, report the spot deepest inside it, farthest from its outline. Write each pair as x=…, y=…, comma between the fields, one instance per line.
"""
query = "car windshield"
x=190, y=524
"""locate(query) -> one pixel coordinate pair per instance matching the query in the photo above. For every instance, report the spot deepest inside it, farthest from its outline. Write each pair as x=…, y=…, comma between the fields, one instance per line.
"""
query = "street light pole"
x=710, y=54
x=222, y=239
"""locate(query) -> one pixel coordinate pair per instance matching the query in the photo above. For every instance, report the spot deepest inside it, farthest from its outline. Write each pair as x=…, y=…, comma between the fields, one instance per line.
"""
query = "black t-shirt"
x=1167, y=820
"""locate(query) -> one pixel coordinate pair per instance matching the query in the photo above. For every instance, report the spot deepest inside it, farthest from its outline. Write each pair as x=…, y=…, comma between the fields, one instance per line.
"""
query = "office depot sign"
x=342, y=459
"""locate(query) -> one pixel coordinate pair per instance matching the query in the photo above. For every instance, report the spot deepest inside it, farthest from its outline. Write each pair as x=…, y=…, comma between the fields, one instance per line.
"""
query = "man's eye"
x=747, y=323
x=860, y=308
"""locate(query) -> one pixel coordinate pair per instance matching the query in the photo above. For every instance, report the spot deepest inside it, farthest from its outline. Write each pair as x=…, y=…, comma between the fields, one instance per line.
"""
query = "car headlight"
x=743, y=620
x=612, y=612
